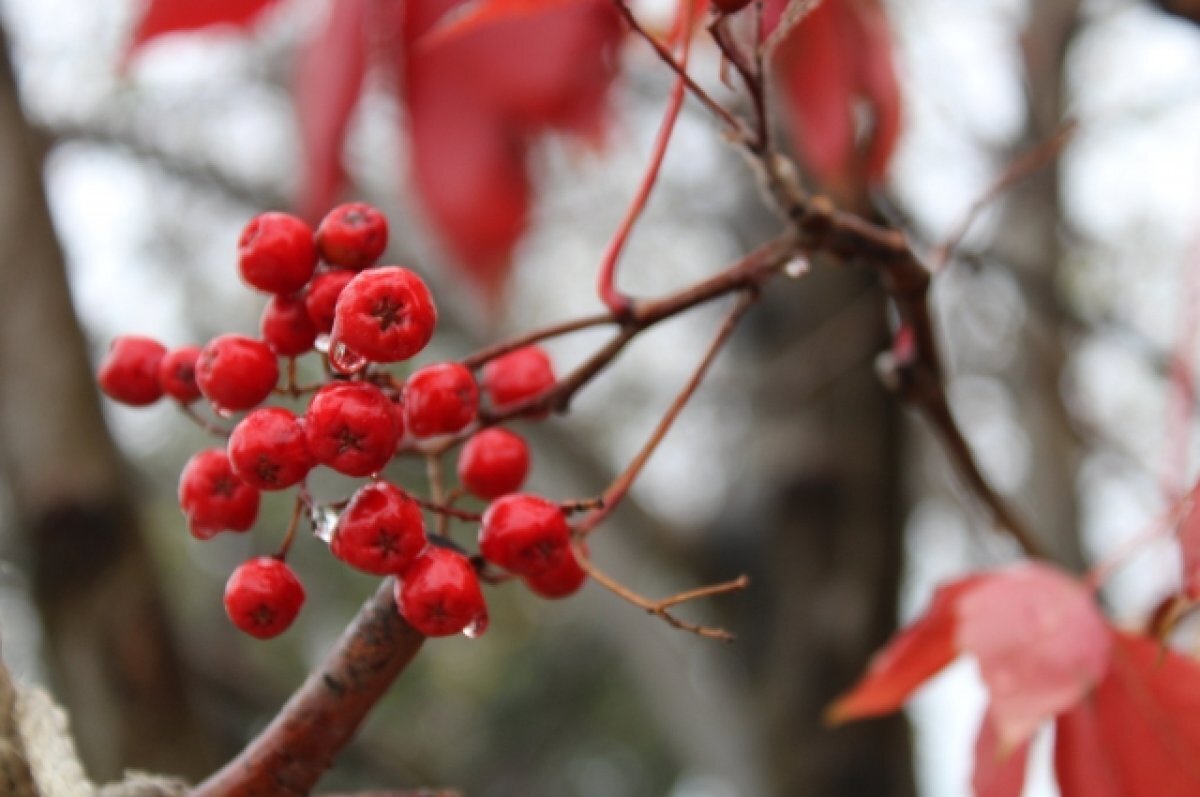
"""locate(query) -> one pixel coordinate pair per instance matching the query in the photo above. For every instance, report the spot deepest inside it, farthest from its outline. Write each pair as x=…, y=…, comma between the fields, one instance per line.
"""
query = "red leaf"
x=172, y=16
x=998, y=773
x=1041, y=643
x=482, y=13
x=329, y=77
x=1140, y=733
x=913, y=656
x=836, y=57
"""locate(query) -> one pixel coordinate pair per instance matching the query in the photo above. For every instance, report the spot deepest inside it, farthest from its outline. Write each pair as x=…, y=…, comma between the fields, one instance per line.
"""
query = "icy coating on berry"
x=276, y=253
x=385, y=315
x=235, y=372
x=493, y=463
x=517, y=376
x=525, y=534
x=213, y=497
x=268, y=449
x=129, y=372
x=381, y=530
x=263, y=597
x=352, y=235
x=440, y=399
x=352, y=428
x=439, y=595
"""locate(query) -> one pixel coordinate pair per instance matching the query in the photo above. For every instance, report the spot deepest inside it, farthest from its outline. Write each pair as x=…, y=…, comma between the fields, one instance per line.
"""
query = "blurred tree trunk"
x=108, y=644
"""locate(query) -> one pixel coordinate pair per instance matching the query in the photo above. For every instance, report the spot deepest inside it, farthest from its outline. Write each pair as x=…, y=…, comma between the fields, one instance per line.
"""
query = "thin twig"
x=485, y=355
x=433, y=470
x=445, y=511
x=290, y=536
x=214, y=429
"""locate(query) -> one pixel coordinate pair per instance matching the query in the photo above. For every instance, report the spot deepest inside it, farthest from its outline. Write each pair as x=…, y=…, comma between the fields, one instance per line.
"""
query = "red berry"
x=493, y=463
x=517, y=376
x=352, y=428
x=381, y=531
x=730, y=6
x=268, y=449
x=263, y=597
x=322, y=296
x=439, y=399
x=236, y=372
x=352, y=235
x=177, y=374
x=385, y=314
x=286, y=328
x=525, y=534
x=129, y=372
x=563, y=579
x=439, y=594
x=276, y=253
x=212, y=496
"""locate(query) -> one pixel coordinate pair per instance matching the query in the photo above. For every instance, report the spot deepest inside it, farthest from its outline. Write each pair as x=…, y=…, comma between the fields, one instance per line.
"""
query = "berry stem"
x=617, y=302
x=485, y=355
x=290, y=537
x=445, y=510
x=433, y=470
x=214, y=429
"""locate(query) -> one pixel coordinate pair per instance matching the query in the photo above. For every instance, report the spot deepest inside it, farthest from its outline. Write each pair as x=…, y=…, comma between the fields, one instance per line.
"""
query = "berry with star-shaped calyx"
x=213, y=497
x=380, y=531
x=384, y=314
x=263, y=597
x=352, y=428
x=268, y=449
x=129, y=372
x=561, y=579
x=235, y=372
x=439, y=399
x=353, y=235
x=494, y=462
x=525, y=534
x=177, y=374
x=276, y=253
x=518, y=376
x=439, y=594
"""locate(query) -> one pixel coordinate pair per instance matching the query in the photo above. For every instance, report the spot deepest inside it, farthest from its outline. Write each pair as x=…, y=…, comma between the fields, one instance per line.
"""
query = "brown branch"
x=528, y=338
x=290, y=755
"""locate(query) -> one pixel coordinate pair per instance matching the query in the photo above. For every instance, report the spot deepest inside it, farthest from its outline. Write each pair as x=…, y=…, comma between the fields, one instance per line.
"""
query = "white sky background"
x=1133, y=192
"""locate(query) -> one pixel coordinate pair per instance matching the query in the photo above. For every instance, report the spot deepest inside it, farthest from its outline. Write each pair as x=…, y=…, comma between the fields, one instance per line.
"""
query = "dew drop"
x=476, y=627
x=321, y=344
x=222, y=412
x=324, y=523
x=797, y=267
x=201, y=531
x=345, y=360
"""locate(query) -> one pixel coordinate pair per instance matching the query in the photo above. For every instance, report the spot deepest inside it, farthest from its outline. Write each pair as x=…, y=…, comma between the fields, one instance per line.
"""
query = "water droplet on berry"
x=200, y=531
x=222, y=412
x=476, y=627
x=797, y=267
x=345, y=360
x=324, y=522
x=321, y=343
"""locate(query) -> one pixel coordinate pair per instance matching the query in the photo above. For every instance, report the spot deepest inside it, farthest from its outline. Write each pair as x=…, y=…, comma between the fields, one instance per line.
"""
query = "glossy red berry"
x=235, y=372
x=439, y=399
x=322, y=296
x=380, y=531
x=564, y=578
x=286, y=328
x=276, y=253
x=268, y=449
x=517, y=376
x=385, y=314
x=177, y=374
x=263, y=597
x=352, y=235
x=129, y=372
x=493, y=463
x=439, y=594
x=352, y=428
x=212, y=496
x=525, y=534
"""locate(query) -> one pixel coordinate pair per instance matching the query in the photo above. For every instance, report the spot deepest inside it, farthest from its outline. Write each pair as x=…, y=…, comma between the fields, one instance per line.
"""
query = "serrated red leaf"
x=330, y=70
x=912, y=657
x=835, y=58
x=1041, y=644
x=174, y=16
x=1140, y=732
x=998, y=772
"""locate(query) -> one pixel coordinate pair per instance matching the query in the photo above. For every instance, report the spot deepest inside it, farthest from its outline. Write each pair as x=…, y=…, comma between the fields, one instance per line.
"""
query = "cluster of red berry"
x=329, y=298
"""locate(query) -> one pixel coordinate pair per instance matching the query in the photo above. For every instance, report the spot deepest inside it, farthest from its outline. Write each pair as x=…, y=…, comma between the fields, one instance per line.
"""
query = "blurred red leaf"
x=1139, y=735
x=838, y=56
x=998, y=772
x=1189, y=545
x=1041, y=644
x=330, y=69
x=913, y=656
x=481, y=13
x=173, y=16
